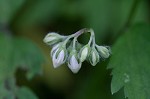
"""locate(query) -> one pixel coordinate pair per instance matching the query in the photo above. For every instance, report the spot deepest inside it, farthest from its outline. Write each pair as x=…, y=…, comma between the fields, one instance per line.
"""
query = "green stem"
x=92, y=38
x=132, y=14
x=84, y=30
x=77, y=34
x=74, y=42
x=128, y=22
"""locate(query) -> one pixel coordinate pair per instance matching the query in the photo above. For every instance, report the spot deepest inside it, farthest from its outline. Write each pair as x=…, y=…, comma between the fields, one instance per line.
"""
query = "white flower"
x=84, y=53
x=103, y=51
x=55, y=47
x=94, y=57
x=62, y=45
x=58, y=58
x=73, y=61
x=73, y=64
x=52, y=38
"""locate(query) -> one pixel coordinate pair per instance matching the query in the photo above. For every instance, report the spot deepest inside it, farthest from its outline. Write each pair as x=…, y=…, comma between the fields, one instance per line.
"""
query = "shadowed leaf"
x=17, y=53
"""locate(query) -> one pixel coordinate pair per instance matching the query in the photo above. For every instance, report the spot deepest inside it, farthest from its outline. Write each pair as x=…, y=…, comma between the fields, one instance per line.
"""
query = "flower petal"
x=54, y=59
x=61, y=57
x=55, y=47
x=84, y=54
x=57, y=61
x=74, y=65
x=93, y=57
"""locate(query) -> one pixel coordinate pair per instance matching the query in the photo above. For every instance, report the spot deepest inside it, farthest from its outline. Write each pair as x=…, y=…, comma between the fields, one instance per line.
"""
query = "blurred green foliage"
x=110, y=20
x=17, y=53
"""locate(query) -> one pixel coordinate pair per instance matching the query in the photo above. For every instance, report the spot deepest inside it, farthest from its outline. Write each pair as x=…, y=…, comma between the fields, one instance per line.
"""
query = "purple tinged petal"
x=54, y=49
x=57, y=61
x=54, y=59
x=60, y=57
x=74, y=65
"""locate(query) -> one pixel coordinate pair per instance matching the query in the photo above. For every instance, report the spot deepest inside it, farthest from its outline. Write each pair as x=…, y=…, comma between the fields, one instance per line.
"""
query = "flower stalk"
x=74, y=57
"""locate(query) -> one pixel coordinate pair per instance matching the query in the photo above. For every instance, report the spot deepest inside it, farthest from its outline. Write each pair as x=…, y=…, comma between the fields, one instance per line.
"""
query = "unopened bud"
x=73, y=62
x=54, y=48
x=59, y=56
x=52, y=38
x=94, y=57
x=103, y=51
x=84, y=53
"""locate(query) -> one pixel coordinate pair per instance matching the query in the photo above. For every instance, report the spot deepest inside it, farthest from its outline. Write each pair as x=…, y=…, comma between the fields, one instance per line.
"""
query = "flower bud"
x=52, y=38
x=73, y=62
x=54, y=48
x=84, y=53
x=103, y=51
x=94, y=57
x=59, y=56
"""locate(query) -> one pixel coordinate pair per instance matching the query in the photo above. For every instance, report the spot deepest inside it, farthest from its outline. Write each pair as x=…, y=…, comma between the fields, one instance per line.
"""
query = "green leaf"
x=5, y=51
x=25, y=93
x=17, y=53
x=7, y=88
x=8, y=8
x=27, y=56
x=130, y=63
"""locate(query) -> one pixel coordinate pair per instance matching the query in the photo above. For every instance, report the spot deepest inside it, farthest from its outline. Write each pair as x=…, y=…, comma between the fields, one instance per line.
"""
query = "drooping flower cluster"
x=68, y=49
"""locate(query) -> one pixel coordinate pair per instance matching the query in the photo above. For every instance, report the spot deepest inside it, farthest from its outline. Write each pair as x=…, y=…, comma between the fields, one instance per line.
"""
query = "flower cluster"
x=68, y=49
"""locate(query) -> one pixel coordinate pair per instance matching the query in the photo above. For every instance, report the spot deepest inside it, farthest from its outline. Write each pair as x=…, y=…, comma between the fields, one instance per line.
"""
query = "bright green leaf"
x=130, y=63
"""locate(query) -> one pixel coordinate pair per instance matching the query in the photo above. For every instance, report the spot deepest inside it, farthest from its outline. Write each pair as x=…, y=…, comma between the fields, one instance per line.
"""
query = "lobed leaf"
x=130, y=63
